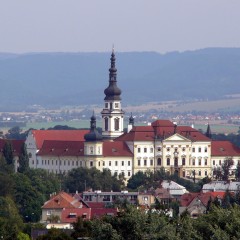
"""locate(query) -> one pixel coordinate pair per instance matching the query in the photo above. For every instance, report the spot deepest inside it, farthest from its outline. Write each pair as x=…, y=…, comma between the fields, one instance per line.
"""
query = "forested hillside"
x=55, y=79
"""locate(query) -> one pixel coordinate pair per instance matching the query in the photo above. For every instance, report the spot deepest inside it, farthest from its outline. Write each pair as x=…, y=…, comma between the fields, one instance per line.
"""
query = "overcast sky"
x=131, y=25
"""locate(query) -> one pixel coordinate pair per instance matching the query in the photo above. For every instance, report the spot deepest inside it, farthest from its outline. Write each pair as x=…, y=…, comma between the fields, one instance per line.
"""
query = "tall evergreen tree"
x=23, y=160
x=8, y=154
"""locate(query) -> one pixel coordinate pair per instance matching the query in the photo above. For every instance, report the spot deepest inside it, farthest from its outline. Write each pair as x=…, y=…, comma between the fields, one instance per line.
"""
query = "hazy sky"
x=131, y=25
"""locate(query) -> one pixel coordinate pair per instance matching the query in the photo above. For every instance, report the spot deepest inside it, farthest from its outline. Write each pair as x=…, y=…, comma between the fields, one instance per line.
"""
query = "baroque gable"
x=177, y=138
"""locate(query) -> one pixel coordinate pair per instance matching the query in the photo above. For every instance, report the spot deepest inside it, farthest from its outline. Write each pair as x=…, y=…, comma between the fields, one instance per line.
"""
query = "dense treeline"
x=147, y=180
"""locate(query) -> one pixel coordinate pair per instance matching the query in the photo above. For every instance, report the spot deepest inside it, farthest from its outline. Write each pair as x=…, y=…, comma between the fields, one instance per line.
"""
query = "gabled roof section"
x=61, y=200
x=176, y=137
x=60, y=135
x=162, y=129
x=224, y=148
x=61, y=148
x=138, y=133
x=116, y=149
x=192, y=134
x=187, y=198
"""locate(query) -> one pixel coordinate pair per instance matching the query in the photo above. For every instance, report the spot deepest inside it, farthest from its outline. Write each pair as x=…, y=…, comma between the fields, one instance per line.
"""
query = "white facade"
x=112, y=119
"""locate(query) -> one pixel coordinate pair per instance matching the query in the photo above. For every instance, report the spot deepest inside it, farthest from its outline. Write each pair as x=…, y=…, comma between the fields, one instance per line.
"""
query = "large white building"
x=178, y=149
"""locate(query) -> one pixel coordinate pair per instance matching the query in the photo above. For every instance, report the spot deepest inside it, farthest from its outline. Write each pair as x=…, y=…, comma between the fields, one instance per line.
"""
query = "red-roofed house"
x=66, y=208
x=196, y=203
x=58, y=203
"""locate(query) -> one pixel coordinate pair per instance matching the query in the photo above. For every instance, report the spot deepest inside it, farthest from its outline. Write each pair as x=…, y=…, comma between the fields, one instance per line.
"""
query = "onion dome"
x=112, y=92
x=93, y=135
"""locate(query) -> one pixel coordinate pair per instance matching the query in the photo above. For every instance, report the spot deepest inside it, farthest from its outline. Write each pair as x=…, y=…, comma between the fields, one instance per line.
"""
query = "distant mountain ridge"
x=56, y=79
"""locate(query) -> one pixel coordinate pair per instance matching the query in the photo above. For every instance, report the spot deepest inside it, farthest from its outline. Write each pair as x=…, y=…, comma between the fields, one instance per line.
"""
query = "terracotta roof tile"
x=187, y=198
x=162, y=129
x=224, y=148
x=96, y=204
x=70, y=215
x=61, y=135
x=116, y=149
x=60, y=201
x=100, y=212
x=61, y=148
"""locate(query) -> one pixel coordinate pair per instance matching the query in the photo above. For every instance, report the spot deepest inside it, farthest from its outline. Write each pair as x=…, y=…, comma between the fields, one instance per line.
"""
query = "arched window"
x=159, y=161
x=116, y=124
x=106, y=123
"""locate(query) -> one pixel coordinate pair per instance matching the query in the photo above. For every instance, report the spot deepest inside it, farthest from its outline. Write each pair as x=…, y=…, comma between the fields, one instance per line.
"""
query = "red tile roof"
x=163, y=129
x=61, y=148
x=70, y=215
x=191, y=133
x=16, y=145
x=162, y=123
x=60, y=201
x=61, y=135
x=187, y=198
x=224, y=148
x=96, y=204
x=100, y=212
x=116, y=149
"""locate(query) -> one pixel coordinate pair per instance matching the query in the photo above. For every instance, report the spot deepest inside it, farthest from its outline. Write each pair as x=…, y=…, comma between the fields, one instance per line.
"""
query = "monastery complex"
x=178, y=149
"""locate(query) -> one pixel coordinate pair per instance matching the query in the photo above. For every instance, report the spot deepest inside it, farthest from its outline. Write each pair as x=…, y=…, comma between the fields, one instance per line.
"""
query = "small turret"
x=93, y=135
x=131, y=123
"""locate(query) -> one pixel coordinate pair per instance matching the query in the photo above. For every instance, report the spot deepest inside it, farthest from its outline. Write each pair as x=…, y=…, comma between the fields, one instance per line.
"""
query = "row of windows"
x=176, y=162
x=116, y=163
x=199, y=149
x=116, y=124
x=145, y=162
x=128, y=173
x=159, y=149
x=199, y=173
x=91, y=150
x=59, y=162
x=116, y=105
x=145, y=150
x=199, y=162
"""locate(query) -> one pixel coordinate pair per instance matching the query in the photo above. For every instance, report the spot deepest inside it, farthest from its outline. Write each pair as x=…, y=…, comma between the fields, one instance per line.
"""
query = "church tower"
x=112, y=114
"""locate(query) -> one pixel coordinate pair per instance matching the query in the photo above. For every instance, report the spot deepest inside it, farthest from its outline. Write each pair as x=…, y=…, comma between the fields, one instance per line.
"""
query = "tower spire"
x=112, y=114
x=112, y=92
